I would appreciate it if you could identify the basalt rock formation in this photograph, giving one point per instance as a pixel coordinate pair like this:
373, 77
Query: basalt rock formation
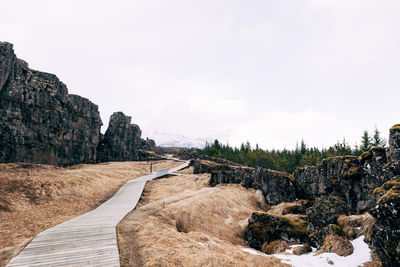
325, 211
276, 186
394, 143
350, 178
322, 219
148, 144
39, 121
264, 228
121, 141
386, 231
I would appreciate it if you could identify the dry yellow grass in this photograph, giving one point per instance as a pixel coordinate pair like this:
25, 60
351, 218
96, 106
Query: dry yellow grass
182, 222
36, 197
336, 244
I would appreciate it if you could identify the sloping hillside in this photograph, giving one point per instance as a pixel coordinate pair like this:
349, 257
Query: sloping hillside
182, 222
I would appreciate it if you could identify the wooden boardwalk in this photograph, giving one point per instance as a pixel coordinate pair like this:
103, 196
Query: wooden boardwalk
90, 239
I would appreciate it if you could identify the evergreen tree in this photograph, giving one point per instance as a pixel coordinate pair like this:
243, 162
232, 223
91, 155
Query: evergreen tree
377, 140
366, 143
217, 145
303, 147
288, 160
356, 151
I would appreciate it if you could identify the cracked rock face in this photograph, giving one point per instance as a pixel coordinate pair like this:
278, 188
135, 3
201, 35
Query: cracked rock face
350, 178
264, 228
39, 121
386, 237
394, 143
276, 186
121, 141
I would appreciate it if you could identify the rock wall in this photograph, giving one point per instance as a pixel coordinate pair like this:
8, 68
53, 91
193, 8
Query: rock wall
350, 178
276, 186
394, 143
121, 141
386, 231
39, 121
264, 228
148, 144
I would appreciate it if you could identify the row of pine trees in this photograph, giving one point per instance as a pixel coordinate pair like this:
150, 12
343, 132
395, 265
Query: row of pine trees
288, 160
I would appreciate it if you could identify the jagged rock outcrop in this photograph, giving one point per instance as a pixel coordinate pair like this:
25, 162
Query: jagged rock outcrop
39, 121
326, 211
264, 228
121, 141
386, 232
276, 186
322, 219
394, 143
350, 178
148, 144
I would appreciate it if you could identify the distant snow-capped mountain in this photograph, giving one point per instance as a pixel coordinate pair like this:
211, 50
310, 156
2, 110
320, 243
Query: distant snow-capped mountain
177, 140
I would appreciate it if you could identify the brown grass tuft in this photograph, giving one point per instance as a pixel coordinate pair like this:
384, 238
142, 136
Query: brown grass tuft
336, 244
275, 247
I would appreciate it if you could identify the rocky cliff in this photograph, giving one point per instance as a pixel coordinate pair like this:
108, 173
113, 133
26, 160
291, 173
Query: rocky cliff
386, 231
276, 186
121, 141
350, 178
394, 143
39, 121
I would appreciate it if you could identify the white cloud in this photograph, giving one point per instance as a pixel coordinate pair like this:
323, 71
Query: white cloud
282, 130
271, 72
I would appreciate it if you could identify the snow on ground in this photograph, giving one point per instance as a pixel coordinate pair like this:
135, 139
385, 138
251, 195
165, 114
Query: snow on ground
361, 254
252, 251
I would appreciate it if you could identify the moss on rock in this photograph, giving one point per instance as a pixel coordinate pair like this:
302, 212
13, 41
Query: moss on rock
389, 190
395, 127
265, 228
354, 172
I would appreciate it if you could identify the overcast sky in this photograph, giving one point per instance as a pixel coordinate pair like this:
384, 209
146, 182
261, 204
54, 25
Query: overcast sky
271, 72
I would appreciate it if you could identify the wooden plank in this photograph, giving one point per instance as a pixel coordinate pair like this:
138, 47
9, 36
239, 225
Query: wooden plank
90, 239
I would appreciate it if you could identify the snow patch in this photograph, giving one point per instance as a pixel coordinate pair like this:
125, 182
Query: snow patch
361, 254
252, 251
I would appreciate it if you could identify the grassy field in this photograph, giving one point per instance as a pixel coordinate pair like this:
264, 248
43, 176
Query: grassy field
35, 197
